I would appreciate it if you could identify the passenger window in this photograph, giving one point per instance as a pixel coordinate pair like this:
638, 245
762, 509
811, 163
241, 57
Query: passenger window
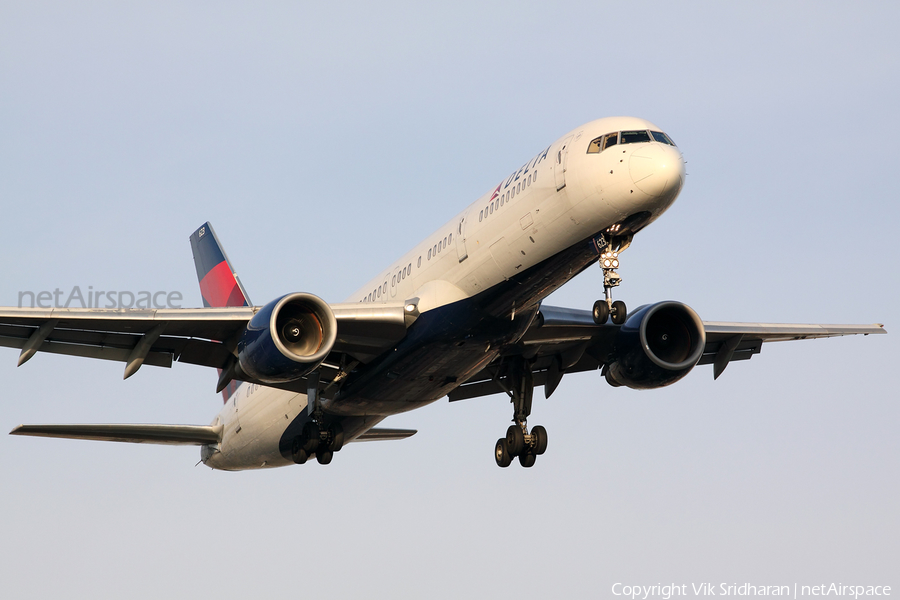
419, 265
635, 137
480, 216
529, 180
492, 208
501, 200
610, 139
429, 254
534, 175
450, 239
659, 136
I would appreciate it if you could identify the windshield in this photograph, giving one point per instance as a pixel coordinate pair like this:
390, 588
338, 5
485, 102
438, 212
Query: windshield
635, 136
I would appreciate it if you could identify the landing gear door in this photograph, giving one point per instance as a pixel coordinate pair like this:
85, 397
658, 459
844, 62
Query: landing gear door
559, 163
461, 239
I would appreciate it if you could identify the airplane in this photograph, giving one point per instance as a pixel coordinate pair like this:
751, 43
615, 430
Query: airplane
460, 315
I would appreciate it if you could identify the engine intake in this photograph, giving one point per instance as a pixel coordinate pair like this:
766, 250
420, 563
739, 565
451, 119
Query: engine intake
287, 339
658, 345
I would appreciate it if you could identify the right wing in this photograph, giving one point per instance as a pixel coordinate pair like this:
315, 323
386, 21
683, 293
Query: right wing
565, 340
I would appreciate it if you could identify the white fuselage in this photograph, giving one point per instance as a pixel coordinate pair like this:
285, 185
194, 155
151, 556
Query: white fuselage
560, 197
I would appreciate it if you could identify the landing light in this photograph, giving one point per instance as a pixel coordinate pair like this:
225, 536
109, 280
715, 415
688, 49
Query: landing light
411, 307
610, 260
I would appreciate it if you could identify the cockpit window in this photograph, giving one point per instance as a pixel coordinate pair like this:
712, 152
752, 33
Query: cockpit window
635, 137
659, 136
610, 139
603, 142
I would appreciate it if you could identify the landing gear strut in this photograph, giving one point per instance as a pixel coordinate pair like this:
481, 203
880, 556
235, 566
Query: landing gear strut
518, 441
609, 262
316, 438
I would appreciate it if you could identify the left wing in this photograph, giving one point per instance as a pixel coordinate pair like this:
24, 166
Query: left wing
200, 336
564, 340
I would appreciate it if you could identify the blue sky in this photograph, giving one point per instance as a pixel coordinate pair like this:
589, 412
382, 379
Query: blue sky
322, 141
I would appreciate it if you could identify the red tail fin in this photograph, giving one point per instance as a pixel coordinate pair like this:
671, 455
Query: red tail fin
219, 285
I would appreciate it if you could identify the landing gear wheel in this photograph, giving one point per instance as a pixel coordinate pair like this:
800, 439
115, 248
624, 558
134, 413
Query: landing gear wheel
501, 453
601, 312
337, 437
540, 439
309, 437
324, 456
515, 440
527, 459
298, 454
619, 312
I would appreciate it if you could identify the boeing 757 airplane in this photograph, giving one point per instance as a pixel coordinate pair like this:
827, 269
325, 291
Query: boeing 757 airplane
459, 315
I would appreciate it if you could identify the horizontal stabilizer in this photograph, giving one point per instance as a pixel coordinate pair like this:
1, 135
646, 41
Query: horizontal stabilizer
376, 434
196, 435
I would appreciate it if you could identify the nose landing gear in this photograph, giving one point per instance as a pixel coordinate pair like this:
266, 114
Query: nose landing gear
518, 441
609, 262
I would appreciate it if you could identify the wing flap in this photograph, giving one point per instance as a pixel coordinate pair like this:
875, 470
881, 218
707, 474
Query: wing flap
782, 332
195, 435
157, 359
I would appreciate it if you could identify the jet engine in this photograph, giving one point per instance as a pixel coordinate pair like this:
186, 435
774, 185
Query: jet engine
287, 339
658, 345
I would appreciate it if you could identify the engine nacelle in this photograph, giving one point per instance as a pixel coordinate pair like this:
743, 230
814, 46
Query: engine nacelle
287, 339
658, 345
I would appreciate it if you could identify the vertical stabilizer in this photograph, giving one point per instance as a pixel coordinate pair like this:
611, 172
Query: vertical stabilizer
219, 284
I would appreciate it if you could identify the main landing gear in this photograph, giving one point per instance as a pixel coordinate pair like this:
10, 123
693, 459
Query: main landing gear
609, 262
315, 437
518, 441
318, 440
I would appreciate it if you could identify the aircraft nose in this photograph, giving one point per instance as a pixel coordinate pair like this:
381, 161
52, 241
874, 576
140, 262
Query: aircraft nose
657, 169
